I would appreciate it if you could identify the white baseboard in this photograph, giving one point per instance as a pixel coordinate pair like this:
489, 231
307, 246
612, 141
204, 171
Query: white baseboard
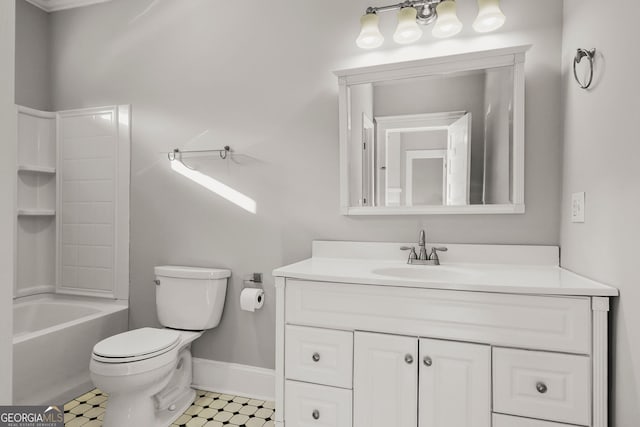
232, 378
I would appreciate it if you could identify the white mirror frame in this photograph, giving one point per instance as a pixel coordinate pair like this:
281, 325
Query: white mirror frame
503, 57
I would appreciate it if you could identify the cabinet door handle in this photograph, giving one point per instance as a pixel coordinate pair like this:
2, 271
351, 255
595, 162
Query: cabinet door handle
541, 387
316, 357
408, 358
427, 361
315, 414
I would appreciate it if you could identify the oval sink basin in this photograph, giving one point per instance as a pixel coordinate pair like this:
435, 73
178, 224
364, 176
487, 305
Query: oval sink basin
424, 272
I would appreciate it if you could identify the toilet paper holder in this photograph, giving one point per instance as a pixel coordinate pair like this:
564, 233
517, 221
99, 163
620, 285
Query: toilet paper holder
252, 295
252, 278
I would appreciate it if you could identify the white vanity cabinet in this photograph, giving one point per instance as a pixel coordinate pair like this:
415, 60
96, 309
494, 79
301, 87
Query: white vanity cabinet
496, 346
357, 355
407, 382
385, 380
455, 384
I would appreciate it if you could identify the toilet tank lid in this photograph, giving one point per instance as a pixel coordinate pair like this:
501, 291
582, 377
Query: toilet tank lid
181, 272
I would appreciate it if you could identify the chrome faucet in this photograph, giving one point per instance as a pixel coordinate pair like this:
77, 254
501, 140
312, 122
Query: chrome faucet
424, 258
422, 242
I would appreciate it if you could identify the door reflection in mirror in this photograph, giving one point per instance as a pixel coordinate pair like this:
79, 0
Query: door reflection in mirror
425, 158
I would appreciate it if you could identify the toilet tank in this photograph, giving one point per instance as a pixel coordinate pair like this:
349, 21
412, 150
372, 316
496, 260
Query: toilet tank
190, 298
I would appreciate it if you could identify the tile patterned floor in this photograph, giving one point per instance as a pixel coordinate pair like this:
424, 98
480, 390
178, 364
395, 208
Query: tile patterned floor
209, 410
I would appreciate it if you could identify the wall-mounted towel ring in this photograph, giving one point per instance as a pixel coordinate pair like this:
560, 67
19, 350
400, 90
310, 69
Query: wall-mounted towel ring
584, 53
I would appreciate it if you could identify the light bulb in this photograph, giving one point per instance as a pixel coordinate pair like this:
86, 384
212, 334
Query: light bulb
370, 36
408, 30
448, 23
490, 17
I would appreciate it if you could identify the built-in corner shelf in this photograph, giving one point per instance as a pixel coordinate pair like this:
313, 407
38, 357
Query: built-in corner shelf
36, 212
36, 201
37, 169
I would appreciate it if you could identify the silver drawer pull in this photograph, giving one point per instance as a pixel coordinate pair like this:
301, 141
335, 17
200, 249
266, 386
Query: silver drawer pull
408, 358
541, 387
316, 357
427, 361
315, 414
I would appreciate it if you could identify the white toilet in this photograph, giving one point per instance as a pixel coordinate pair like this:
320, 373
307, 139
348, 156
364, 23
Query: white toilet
147, 372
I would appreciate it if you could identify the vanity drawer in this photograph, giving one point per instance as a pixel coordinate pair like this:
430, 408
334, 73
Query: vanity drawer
536, 384
322, 356
522, 321
500, 420
311, 405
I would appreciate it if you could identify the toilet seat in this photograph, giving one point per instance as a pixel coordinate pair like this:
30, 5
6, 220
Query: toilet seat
136, 345
127, 366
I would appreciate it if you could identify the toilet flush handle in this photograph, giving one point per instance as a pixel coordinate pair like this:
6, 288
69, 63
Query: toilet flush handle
157, 282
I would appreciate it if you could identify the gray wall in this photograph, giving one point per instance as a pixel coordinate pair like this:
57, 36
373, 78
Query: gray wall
601, 158
8, 125
203, 74
33, 65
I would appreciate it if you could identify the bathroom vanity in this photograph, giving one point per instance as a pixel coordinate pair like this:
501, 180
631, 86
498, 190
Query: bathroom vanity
495, 336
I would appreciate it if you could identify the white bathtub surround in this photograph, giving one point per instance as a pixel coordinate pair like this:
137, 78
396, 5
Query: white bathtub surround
72, 237
94, 147
73, 202
52, 337
520, 337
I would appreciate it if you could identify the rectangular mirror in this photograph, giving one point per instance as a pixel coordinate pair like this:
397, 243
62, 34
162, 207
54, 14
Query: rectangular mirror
435, 136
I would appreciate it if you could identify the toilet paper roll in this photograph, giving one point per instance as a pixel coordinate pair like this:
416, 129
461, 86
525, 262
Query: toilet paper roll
251, 299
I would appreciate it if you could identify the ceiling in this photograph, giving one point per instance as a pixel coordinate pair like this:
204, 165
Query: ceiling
55, 5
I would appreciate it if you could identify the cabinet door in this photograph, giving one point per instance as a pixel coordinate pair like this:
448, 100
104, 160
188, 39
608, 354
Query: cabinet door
385, 380
455, 384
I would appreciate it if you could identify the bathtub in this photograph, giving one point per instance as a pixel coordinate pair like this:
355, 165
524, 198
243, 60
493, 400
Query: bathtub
53, 337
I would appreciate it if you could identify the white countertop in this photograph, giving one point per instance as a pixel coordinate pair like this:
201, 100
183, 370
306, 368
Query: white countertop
503, 278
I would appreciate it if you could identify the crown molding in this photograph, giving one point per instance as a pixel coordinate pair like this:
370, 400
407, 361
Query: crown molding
56, 5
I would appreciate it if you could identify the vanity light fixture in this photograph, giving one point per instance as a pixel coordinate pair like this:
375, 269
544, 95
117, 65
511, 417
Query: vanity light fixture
490, 17
407, 30
414, 13
448, 24
370, 36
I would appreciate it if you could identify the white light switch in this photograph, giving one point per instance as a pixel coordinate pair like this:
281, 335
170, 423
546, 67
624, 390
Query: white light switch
577, 207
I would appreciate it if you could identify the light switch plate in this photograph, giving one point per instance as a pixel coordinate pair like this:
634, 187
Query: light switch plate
577, 207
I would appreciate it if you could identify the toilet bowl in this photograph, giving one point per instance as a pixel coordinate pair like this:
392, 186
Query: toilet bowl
136, 369
147, 372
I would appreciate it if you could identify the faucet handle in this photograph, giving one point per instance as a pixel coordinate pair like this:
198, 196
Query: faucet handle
412, 255
434, 254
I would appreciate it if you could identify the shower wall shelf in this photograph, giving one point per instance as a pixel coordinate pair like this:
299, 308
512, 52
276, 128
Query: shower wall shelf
36, 202
36, 212
37, 169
